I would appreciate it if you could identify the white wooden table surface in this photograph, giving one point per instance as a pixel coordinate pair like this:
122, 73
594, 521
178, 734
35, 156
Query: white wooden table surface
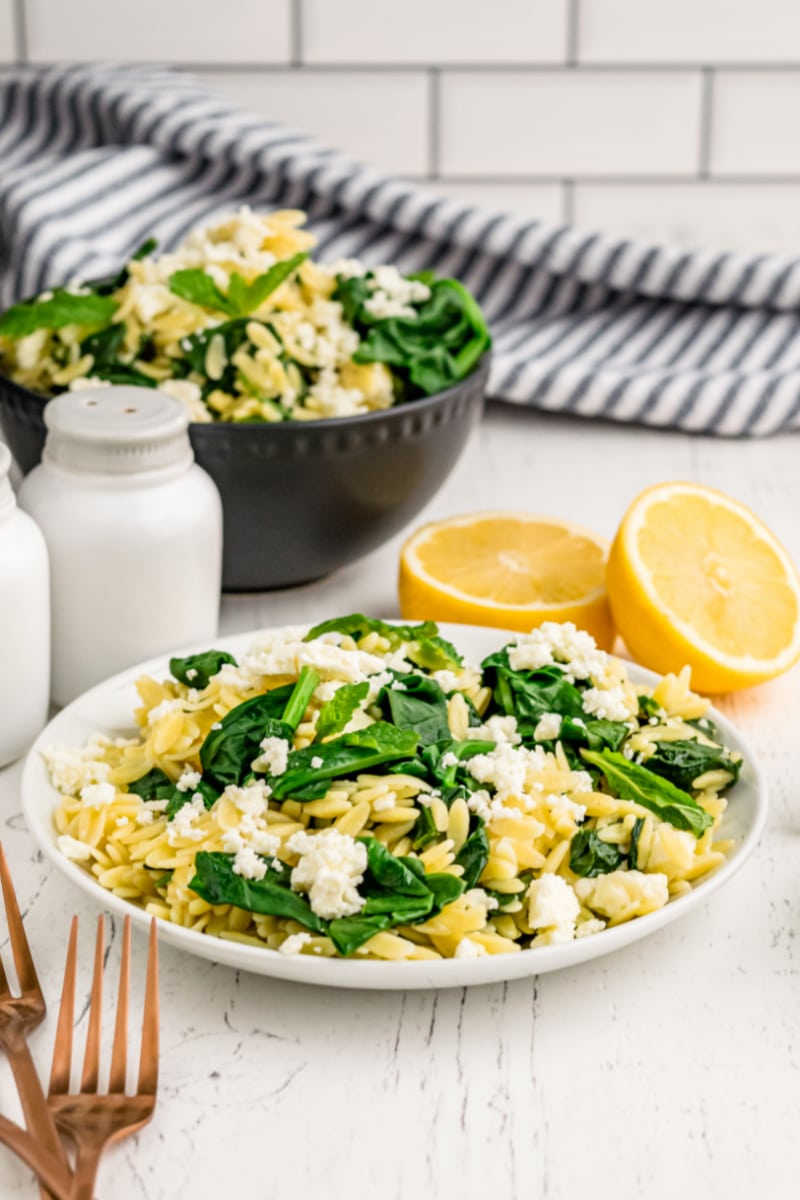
668, 1069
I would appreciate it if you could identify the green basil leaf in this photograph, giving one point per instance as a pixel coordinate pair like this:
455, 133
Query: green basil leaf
63, 308
247, 297
197, 286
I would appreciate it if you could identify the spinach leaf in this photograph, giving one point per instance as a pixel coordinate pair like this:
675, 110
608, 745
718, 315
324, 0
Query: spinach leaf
104, 347
216, 882
589, 855
419, 705
683, 761
63, 308
351, 753
596, 734
634, 782
474, 855
155, 785
445, 889
435, 654
298, 702
528, 695
228, 750
337, 712
197, 286
349, 933
247, 297
425, 831
351, 294
195, 348
197, 670
430, 351
648, 707
392, 873
633, 853
357, 626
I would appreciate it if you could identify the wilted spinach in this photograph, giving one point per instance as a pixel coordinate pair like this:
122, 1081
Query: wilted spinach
309, 770
631, 781
231, 747
683, 761
417, 703
590, 856
340, 708
197, 670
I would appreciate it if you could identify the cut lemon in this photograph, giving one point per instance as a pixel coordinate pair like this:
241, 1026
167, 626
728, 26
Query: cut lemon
512, 570
694, 577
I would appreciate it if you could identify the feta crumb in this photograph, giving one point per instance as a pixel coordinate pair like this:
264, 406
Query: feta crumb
561, 807
448, 681
506, 768
548, 728
162, 710
98, 795
72, 769
316, 762
181, 827
466, 948
331, 867
70, 847
274, 757
496, 729
247, 864
121, 822
383, 803
478, 898
621, 895
551, 902
448, 760
608, 704
561, 645
189, 781
294, 943
590, 927
192, 673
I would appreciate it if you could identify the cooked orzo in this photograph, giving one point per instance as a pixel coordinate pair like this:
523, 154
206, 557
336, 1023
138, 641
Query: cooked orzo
359, 790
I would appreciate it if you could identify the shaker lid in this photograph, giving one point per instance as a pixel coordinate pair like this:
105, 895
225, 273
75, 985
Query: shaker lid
7, 498
117, 430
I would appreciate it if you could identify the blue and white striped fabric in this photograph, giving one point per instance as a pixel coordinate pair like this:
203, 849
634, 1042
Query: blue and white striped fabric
93, 160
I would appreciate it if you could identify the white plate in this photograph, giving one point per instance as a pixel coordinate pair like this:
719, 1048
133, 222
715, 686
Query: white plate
109, 708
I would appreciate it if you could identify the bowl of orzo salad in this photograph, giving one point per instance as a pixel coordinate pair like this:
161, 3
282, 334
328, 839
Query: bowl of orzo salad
369, 804
328, 401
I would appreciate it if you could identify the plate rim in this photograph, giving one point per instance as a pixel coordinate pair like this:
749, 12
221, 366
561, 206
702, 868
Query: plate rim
369, 974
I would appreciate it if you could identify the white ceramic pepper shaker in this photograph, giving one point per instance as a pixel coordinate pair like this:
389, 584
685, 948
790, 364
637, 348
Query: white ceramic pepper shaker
24, 624
134, 532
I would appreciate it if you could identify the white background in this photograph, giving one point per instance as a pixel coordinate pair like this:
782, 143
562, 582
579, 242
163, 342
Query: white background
673, 119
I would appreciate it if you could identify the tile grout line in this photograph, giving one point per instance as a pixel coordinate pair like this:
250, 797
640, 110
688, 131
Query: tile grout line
573, 25
434, 122
20, 31
486, 68
706, 126
296, 33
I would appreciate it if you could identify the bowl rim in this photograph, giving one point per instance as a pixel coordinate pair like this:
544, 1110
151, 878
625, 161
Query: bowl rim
479, 372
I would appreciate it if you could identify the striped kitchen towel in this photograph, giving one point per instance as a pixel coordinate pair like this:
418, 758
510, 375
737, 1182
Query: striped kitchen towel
93, 160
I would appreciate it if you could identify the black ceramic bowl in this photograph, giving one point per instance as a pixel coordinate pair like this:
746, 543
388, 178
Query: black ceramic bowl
303, 498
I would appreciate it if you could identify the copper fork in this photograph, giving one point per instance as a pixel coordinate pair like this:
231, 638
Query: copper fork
18, 1015
89, 1118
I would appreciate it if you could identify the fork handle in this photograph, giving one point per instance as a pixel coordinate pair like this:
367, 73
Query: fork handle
40, 1161
86, 1165
38, 1118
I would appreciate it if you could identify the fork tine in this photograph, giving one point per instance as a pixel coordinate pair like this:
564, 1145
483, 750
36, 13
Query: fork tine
148, 1060
91, 1057
119, 1053
23, 959
62, 1050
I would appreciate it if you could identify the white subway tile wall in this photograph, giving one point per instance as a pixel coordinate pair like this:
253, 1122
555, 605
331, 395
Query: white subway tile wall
668, 119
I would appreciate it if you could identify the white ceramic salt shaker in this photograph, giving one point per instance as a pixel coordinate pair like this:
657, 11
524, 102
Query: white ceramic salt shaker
134, 532
24, 624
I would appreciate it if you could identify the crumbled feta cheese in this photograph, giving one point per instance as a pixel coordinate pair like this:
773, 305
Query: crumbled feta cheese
70, 847
609, 704
71, 769
181, 827
283, 652
551, 902
548, 728
496, 729
98, 795
252, 800
294, 943
163, 709
478, 898
562, 807
448, 681
316, 762
192, 673
506, 768
274, 757
189, 781
466, 948
247, 864
383, 803
145, 817
581, 782
621, 895
448, 760
121, 822
562, 645
555, 935
590, 927
331, 867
